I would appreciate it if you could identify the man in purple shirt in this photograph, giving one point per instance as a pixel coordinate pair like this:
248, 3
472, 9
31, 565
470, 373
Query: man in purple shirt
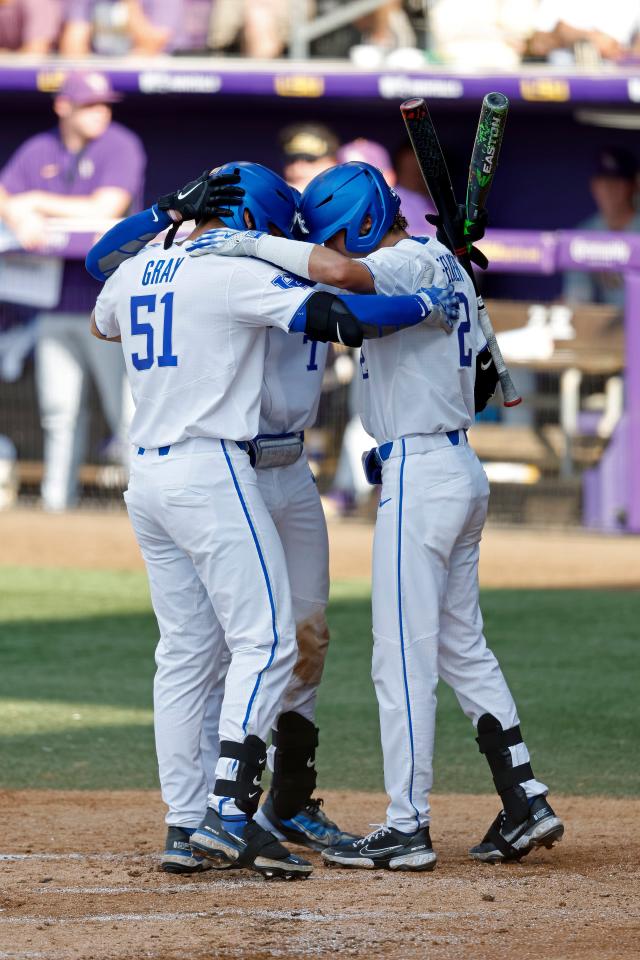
86, 168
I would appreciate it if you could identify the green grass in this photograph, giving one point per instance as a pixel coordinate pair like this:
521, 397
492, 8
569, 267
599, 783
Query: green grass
76, 666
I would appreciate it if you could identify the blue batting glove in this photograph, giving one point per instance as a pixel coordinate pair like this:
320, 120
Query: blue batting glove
442, 306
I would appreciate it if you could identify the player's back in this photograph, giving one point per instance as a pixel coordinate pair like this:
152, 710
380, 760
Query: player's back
293, 371
421, 380
192, 341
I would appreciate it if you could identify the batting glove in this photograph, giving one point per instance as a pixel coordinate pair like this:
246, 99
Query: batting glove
206, 196
226, 243
442, 307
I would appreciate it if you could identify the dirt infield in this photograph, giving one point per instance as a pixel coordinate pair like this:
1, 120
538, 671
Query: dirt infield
80, 880
509, 558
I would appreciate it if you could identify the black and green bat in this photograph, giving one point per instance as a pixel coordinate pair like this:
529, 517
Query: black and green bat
485, 154
433, 167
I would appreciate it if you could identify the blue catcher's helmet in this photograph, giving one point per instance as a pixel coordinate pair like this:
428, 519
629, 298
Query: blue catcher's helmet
269, 200
341, 197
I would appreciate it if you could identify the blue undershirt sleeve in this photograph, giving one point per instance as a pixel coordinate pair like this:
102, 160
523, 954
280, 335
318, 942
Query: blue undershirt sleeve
125, 240
378, 316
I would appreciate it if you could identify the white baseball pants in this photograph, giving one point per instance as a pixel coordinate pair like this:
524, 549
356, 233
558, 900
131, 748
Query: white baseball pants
291, 497
65, 355
426, 613
213, 556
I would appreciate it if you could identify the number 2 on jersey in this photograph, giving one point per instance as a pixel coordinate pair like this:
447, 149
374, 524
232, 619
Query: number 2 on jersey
464, 326
139, 328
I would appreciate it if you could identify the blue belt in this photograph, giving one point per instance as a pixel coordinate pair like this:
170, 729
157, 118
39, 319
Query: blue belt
162, 451
453, 436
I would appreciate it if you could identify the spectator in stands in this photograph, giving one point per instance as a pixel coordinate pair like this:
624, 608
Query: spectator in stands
415, 202
308, 149
29, 26
87, 168
614, 187
563, 27
491, 34
137, 27
255, 28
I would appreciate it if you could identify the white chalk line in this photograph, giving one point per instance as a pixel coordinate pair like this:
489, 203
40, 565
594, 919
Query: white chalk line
102, 918
197, 887
303, 916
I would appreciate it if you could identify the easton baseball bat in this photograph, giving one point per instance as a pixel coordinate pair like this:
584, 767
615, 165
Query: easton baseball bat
485, 154
433, 167
482, 169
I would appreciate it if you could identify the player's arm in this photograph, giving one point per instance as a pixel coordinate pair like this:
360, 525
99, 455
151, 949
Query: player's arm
296, 257
104, 323
125, 240
350, 319
198, 198
93, 327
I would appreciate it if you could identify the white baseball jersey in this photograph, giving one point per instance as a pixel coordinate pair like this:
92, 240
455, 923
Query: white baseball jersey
193, 336
421, 380
293, 371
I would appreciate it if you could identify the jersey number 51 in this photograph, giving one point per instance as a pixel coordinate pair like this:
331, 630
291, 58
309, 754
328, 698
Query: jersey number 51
139, 329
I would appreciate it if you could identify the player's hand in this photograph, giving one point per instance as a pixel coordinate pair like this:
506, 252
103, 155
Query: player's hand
206, 196
466, 232
226, 243
442, 307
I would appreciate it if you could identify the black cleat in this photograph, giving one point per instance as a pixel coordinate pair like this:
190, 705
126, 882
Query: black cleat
229, 843
385, 848
178, 857
310, 827
507, 841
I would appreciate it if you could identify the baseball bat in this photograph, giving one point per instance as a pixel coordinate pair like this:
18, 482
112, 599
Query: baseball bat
482, 169
485, 154
433, 167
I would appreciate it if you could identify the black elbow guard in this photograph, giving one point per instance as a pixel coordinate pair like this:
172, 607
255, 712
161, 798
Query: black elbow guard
486, 380
330, 321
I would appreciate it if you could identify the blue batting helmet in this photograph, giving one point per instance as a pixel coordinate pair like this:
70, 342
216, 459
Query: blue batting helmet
340, 199
269, 200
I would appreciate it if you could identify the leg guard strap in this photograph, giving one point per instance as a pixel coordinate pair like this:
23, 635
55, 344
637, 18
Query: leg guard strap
245, 789
498, 739
512, 776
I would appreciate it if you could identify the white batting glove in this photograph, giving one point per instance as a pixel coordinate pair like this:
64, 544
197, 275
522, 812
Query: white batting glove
442, 307
226, 243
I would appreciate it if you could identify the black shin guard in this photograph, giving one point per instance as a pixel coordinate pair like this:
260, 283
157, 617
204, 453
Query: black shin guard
245, 790
494, 742
294, 774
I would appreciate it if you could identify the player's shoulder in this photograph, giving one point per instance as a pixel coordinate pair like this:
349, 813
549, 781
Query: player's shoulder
262, 275
406, 249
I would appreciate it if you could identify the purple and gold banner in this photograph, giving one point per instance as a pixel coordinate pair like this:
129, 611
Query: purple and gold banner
314, 79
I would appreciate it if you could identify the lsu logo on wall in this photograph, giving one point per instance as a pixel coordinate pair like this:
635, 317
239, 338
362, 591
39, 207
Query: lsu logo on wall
285, 281
545, 88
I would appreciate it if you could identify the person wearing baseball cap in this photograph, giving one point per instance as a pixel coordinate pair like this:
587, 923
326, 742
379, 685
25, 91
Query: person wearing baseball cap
85, 168
308, 149
614, 187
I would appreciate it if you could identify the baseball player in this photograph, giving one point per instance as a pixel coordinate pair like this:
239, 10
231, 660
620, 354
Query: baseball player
419, 397
293, 371
194, 413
